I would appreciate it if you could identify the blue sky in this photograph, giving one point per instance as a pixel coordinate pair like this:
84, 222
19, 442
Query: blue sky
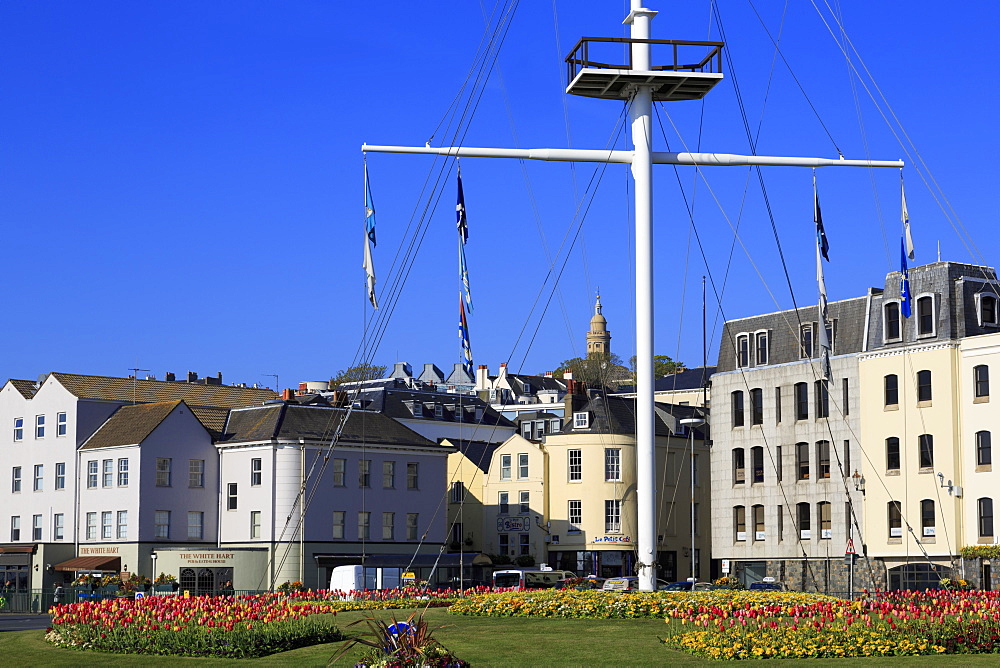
181, 189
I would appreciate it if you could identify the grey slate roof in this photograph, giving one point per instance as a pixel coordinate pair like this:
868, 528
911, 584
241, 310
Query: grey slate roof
954, 285
616, 415
686, 379
290, 421
783, 327
479, 453
395, 403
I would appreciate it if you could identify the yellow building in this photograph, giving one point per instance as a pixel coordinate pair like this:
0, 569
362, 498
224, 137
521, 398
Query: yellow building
926, 424
568, 498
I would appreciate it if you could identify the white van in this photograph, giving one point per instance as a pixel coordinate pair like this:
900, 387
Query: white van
530, 579
359, 578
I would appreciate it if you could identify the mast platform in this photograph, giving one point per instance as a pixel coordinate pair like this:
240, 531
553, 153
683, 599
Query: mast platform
673, 81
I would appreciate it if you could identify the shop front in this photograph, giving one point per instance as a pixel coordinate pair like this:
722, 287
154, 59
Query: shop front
15, 568
211, 570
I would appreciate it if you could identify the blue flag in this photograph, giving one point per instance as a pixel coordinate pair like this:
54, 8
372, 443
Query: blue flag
463, 333
369, 210
904, 281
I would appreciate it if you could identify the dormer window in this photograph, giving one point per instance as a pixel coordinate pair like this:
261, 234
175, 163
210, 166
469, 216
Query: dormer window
438, 411
925, 315
528, 389
806, 341
891, 320
526, 429
743, 351
581, 420
987, 310
761, 348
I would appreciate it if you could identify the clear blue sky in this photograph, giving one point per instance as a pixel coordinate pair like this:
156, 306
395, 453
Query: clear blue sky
180, 182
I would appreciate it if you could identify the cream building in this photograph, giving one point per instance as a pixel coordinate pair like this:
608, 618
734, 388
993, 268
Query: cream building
926, 423
568, 498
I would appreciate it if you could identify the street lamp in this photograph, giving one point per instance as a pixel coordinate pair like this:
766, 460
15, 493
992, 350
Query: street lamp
691, 423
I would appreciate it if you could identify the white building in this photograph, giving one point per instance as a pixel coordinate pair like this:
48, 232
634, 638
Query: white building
376, 491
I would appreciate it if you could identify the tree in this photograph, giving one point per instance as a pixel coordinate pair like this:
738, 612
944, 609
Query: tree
662, 366
596, 371
357, 373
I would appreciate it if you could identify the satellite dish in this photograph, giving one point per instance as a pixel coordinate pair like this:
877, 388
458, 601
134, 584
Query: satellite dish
41, 379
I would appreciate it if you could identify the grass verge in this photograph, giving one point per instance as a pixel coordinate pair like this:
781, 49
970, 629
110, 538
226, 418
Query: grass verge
486, 642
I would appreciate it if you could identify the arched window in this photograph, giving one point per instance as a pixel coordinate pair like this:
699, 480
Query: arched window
984, 449
981, 380
757, 512
924, 385
823, 459
740, 522
757, 463
802, 513
802, 461
927, 519
801, 401
825, 513
895, 519
892, 454
737, 402
739, 466
925, 444
757, 406
891, 390
985, 517
822, 399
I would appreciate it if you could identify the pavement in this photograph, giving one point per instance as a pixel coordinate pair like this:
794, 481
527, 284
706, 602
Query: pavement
16, 622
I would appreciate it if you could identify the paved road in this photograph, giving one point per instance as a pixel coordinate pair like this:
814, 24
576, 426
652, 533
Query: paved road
15, 622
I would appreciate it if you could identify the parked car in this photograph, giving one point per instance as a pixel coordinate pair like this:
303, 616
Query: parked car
691, 586
766, 585
629, 583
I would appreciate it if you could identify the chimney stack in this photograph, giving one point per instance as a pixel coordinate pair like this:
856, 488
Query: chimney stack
192, 377
170, 377
288, 394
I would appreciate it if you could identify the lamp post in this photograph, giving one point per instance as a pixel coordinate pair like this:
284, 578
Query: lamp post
691, 423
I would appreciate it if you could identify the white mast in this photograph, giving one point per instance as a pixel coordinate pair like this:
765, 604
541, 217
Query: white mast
641, 113
641, 83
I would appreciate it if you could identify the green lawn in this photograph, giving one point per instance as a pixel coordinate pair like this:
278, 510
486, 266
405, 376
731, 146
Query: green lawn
483, 641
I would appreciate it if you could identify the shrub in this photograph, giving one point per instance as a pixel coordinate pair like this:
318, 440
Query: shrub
401, 645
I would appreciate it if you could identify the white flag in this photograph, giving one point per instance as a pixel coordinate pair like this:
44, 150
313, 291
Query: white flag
370, 271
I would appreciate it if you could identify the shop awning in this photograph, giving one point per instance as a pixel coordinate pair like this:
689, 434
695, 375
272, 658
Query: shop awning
91, 564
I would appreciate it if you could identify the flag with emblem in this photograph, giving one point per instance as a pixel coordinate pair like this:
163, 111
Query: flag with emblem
369, 265
463, 334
